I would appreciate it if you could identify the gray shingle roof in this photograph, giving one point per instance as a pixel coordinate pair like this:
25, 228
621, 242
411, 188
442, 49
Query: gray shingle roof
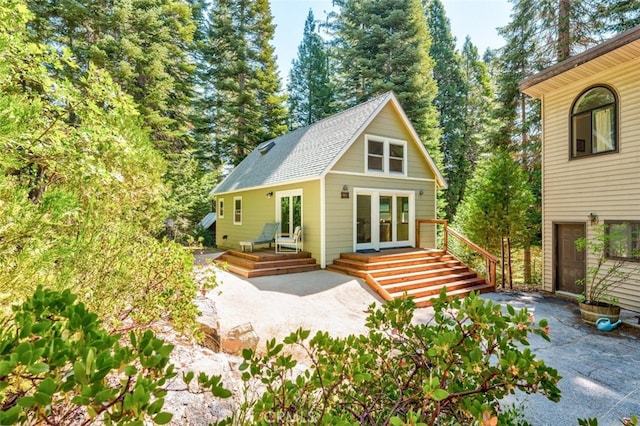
303, 153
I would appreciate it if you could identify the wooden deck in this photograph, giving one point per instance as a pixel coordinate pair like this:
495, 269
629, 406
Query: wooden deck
392, 273
265, 262
417, 273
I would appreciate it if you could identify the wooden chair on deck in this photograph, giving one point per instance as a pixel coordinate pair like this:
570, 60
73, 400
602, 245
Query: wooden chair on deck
291, 241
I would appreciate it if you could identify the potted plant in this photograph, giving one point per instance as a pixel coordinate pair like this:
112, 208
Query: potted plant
607, 273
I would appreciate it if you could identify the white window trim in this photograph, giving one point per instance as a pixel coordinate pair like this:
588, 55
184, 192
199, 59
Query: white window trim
235, 222
386, 157
221, 208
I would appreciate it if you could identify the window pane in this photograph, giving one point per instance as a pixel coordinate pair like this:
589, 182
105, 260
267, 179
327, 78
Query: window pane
375, 163
396, 151
603, 130
594, 98
581, 135
376, 147
395, 165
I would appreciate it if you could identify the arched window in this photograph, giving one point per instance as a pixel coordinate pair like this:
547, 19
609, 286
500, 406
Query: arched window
593, 122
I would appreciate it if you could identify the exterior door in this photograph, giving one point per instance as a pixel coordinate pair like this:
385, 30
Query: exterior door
570, 263
384, 219
289, 210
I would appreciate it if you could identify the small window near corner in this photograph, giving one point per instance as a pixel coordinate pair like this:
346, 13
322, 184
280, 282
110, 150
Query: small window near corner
237, 210
594, 123
221, 208
623, 240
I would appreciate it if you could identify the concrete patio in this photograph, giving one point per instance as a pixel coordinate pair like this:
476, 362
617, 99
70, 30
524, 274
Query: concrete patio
600, 370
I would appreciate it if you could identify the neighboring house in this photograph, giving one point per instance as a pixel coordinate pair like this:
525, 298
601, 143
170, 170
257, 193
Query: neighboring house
357, 180
590, 158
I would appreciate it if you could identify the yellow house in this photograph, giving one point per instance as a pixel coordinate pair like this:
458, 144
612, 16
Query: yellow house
357, 180
590, 158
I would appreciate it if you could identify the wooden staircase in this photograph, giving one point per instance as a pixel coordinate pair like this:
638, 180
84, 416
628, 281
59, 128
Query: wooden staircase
416, 273
266, 262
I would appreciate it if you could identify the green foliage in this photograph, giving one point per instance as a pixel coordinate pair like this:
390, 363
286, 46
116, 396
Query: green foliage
627, 421
239, 79
81, 189
310, 95
605, 274
450, 102
59, 366
383, 45
453, 370
496, 204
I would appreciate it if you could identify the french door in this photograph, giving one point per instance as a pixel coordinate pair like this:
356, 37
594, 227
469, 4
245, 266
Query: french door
384, 219
289, 210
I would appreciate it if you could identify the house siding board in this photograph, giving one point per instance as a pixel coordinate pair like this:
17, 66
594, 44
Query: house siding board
339, 229
607, 185
258, 209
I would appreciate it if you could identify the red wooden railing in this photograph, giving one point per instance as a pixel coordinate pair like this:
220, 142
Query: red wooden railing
490, 260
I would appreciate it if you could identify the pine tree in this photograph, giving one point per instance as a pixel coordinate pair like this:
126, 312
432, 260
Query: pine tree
144, 46
478, 121
619, 15
495, 210
246, 106
383, 45
310, 96
450, 104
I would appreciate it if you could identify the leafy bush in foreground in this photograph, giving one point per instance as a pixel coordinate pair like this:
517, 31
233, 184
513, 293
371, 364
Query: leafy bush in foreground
59, 367
454, 370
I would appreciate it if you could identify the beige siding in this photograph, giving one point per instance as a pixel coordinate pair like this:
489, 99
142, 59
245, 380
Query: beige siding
607, 185
258, 209
386, 124
339, 211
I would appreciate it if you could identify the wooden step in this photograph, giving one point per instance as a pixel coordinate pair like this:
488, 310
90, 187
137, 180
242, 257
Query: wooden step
435, 280
382, 257
394, 275
430, 289
398, 263
420, 274
266, 262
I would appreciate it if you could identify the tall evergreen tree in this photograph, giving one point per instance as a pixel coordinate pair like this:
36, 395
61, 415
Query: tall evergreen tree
478, 121
619, 15
245, 100
310, 96
494, 213
144, 46
383, 45
450, 104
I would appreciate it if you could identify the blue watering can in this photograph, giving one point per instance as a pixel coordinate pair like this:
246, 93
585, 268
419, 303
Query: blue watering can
605, 324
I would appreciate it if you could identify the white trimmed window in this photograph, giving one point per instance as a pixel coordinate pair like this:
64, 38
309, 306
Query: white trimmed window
221, 208
383, 155
237, 210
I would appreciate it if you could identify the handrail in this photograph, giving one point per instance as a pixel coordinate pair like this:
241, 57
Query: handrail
491, 260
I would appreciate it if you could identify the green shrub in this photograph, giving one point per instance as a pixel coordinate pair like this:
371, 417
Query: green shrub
58, 366
454, 370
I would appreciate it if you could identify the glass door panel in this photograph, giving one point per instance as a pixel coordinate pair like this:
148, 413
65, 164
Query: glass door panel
289, 210
363, 219
386, 218
402, 219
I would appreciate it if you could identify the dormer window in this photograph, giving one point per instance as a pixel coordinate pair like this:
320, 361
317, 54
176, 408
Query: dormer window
593, 123
388, 156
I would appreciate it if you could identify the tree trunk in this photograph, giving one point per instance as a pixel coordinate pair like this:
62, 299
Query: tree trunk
527, 265
563, 48
509, 260
502, 260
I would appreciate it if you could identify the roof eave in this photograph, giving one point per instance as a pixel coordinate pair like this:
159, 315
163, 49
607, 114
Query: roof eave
612, 44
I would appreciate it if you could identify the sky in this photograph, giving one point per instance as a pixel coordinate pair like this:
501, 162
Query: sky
476, 18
